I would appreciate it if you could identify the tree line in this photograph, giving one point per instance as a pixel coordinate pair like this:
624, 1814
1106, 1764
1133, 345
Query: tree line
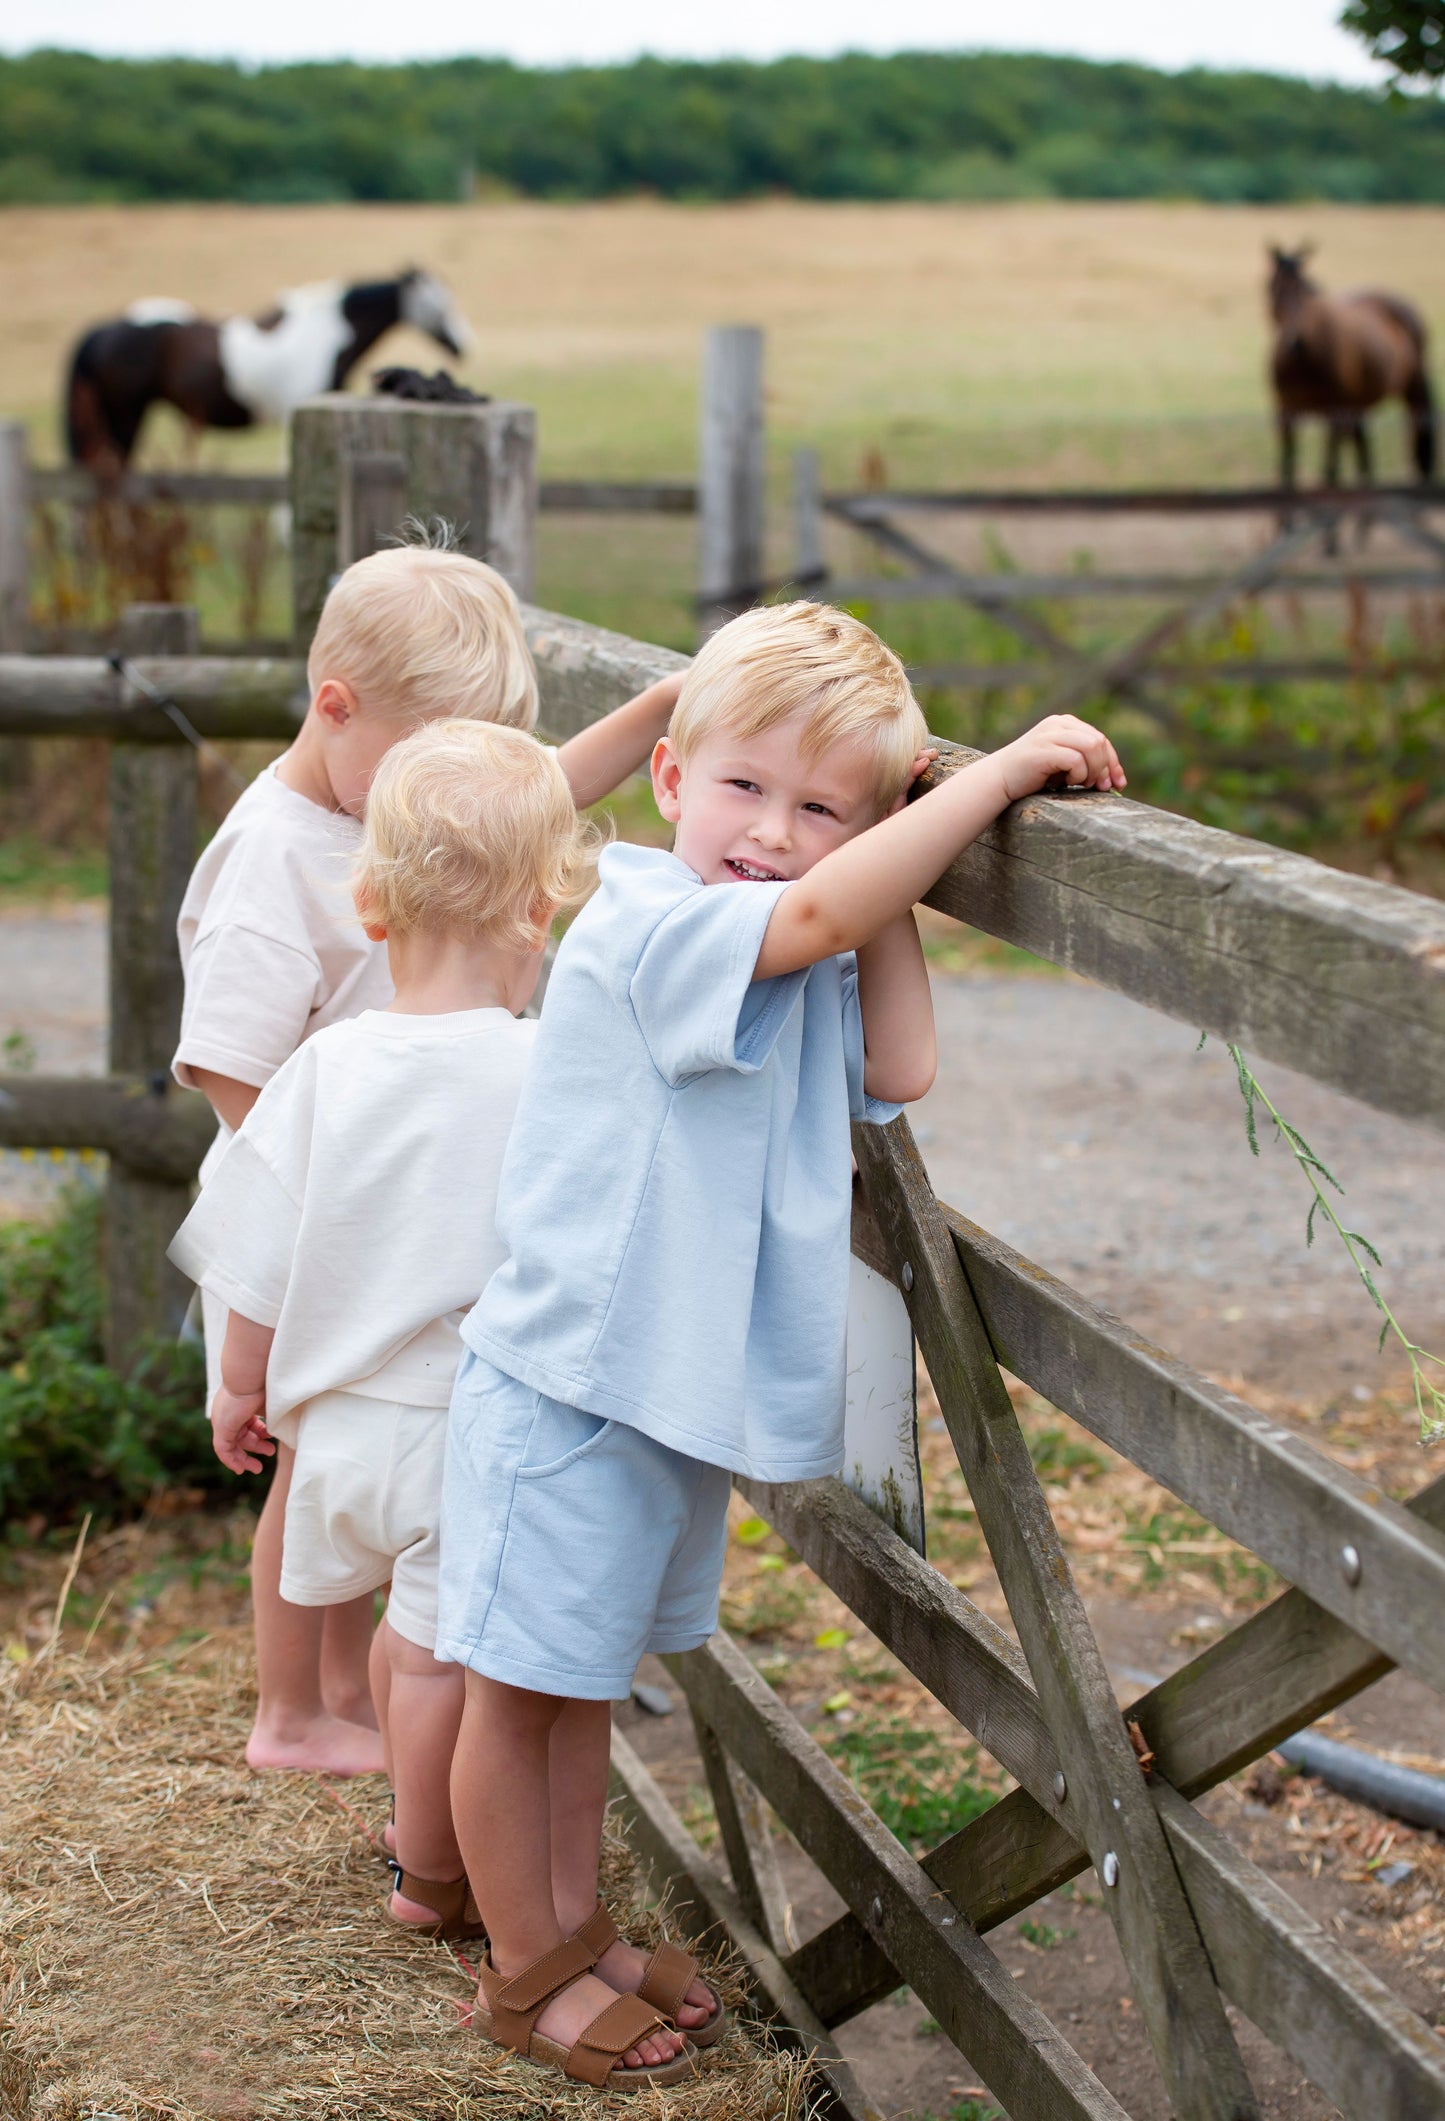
918, 126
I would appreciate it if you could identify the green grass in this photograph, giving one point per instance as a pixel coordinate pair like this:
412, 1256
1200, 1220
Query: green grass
1171, 1540
30, 870
922, 1787
967, 2109
1060, 1457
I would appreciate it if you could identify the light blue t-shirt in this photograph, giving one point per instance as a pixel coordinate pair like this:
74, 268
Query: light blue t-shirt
676, 1192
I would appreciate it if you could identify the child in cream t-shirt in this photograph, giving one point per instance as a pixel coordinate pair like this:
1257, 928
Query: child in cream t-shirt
348, 1228
272, 952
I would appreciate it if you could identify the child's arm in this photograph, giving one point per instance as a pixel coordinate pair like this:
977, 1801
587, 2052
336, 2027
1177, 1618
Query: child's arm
599, 758
900, 1051
229, 1099
238, 1411
853, 894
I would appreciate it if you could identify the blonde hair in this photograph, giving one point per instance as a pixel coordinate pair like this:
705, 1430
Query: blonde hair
812, 663
420, 633
471, 828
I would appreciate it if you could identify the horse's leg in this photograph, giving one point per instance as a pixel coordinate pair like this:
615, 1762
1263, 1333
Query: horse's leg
1287, 462
1364, 476
1287, 451
1334, 439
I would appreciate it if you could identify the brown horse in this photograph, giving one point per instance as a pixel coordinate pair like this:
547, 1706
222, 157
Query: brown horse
1335, 358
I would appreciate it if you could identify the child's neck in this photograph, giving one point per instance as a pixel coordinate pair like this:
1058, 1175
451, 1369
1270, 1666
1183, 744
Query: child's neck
436, 975
302, 767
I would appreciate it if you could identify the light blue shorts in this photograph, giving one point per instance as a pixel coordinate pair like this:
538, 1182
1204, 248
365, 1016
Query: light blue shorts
570, 1545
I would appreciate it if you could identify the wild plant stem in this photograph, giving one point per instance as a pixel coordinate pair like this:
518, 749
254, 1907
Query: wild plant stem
1429, 1396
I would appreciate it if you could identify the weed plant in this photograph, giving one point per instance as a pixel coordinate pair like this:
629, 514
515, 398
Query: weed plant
74, 1434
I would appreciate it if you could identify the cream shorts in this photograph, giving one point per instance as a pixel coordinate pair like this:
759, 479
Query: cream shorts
365, 1505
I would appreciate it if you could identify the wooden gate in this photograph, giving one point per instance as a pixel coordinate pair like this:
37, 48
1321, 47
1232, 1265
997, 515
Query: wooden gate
1331, 974
1343, 979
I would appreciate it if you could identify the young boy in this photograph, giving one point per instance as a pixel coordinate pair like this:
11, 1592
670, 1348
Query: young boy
272, 953
675, 1201
348, 1228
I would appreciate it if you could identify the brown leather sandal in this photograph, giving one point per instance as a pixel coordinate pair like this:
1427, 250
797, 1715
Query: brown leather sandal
513, 2006
666, 1978
459, 1917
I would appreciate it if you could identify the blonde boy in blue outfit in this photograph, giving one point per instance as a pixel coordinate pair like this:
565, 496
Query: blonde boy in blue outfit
675, 1199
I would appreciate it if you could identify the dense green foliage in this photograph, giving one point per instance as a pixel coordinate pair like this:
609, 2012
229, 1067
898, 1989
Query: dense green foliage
1407, 34
918, 125
73, 1434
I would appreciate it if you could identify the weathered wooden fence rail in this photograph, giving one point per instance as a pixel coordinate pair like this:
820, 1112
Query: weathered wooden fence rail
1334, 975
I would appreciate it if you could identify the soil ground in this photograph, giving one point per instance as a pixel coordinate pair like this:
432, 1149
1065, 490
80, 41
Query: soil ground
1092, 1135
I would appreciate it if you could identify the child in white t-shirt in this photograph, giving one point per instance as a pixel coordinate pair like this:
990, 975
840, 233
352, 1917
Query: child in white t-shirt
348, 1228
272, 952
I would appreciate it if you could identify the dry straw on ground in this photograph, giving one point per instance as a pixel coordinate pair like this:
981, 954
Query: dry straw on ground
180, 1938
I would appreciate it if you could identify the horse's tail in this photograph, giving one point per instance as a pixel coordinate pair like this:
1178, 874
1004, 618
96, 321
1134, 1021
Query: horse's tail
87, 431
1420, 398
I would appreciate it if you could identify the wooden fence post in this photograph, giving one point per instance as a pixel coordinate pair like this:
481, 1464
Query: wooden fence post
360, 466
152, 847
14, 538
15, 752
809, 568
730, 498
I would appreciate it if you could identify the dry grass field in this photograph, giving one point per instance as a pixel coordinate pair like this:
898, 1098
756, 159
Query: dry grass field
1053, 340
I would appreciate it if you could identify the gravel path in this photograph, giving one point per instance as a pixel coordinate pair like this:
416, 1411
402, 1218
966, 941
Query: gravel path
1089, 1132
1085, 1130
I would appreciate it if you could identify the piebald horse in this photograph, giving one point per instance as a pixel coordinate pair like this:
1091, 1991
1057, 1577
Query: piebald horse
243, 372
1335, 358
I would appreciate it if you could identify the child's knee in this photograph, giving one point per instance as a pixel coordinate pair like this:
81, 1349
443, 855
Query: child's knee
409, 1660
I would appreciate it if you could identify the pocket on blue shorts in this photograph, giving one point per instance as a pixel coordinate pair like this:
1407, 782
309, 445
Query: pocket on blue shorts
560, 1435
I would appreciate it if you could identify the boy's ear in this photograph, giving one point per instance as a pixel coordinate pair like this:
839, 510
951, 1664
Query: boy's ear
667, 780
335, 703
371, 929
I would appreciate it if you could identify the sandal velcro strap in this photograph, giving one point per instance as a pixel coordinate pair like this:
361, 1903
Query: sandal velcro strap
611, 2033
515, 2003
666, 1979
599, 1932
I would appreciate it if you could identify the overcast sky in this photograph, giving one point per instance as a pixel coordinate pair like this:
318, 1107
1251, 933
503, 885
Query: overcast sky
1277, 36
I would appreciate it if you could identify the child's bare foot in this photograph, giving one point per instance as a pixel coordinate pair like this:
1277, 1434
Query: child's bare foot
323, 1746
622, 1967
567, 2017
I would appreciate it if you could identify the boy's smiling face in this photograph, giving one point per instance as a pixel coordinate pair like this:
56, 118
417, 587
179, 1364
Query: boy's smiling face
756, 810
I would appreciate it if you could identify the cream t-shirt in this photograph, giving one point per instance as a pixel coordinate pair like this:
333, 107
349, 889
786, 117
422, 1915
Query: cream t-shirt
271, 947
354, 1210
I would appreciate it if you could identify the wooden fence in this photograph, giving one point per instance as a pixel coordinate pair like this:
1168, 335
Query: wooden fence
727, 498
1067, 675
1334, 975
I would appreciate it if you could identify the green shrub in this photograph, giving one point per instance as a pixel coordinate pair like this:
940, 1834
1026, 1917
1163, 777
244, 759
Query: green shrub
74, 1435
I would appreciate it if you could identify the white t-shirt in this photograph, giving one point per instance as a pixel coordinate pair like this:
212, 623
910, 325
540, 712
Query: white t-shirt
354, 1210
271, 947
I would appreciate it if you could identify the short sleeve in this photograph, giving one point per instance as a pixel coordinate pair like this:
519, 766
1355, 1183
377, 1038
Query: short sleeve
875, 1111
239, 1240
249, 999
692, 988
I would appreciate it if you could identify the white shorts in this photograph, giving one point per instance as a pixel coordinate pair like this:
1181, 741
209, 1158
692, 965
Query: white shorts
571, 1544
365, 1505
